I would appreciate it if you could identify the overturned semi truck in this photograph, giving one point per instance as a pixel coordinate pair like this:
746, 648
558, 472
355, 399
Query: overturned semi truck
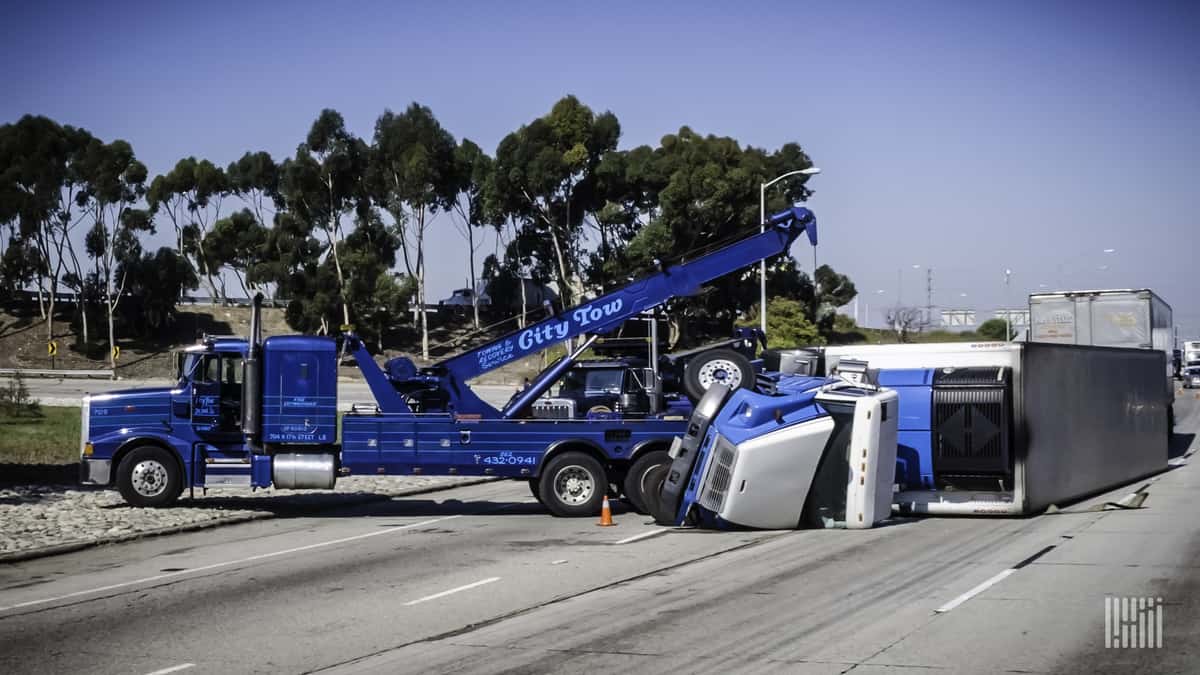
957, 429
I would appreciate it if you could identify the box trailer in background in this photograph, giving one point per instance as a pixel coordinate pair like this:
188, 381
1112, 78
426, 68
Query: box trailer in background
1135, 318
1002, 428
1189, 364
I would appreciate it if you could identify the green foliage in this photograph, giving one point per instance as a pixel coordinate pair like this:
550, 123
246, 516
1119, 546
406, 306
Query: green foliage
787, 324
319, 187
236, 243
546, 181
15, 400
993, 329
154, 282
328, 225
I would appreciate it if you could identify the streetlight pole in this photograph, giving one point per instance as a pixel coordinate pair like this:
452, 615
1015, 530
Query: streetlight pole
762, 227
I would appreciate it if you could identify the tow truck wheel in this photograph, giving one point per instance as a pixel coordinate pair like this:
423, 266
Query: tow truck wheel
636, 485
536, 489
718, 365
573, 484
149, 476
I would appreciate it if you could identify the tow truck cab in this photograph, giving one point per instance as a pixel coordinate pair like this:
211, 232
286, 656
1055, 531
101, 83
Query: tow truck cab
222, 423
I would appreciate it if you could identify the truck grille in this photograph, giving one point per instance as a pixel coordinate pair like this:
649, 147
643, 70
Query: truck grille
720, 474
553, 409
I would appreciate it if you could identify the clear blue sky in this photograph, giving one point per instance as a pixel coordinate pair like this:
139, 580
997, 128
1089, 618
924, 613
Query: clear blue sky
966, 136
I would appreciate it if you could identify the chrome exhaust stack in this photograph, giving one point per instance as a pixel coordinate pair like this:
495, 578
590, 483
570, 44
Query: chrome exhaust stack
252, 378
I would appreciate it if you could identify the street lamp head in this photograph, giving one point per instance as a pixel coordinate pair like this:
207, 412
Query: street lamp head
810, 171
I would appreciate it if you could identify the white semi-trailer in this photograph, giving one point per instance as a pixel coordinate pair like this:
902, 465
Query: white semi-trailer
1135, 318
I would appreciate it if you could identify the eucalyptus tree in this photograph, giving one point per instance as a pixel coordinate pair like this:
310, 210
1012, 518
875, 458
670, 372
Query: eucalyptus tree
253, 178
413, 177
39, 183
114, 182
190, 195
236, 243
475, 185
321, 186
546, 178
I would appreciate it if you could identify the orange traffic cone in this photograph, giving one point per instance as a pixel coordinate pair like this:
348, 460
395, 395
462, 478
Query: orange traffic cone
605, 515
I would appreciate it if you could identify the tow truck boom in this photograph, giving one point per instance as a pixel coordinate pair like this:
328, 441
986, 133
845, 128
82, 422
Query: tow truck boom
598, 316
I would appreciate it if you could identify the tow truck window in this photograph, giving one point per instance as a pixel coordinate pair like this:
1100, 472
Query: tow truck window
573, 381
607, 381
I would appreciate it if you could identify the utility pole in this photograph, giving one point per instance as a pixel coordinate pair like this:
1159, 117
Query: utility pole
929, 295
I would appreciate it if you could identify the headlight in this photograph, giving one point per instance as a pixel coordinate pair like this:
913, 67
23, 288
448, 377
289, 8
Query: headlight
85, 412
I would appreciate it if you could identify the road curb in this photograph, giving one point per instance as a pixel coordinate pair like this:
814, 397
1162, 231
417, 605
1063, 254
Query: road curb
352, 500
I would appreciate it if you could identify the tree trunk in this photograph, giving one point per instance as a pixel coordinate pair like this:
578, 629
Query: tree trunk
564, 289
421, 283
474, 290
112, 338
524, 301
80, 300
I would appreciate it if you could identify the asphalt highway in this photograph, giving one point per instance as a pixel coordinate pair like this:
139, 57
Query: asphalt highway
482, 579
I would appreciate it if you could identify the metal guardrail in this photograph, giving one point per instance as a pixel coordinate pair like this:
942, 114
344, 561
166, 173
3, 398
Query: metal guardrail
60, 374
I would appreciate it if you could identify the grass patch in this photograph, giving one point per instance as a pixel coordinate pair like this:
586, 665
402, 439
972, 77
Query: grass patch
52, 438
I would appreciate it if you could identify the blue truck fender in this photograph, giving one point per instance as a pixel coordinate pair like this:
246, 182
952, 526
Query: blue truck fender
128, 445
567, 445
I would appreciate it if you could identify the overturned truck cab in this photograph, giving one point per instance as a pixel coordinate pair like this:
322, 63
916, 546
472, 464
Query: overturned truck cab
808, 451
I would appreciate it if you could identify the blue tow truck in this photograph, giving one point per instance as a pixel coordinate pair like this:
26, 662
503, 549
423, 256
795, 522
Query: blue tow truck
254, 412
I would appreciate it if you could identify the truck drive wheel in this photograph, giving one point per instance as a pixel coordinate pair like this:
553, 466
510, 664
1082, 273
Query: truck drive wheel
719, 365
149, 476
636, 486
655, 478
573, 484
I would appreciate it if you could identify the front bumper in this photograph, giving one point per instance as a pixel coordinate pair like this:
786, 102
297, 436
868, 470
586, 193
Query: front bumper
95, 471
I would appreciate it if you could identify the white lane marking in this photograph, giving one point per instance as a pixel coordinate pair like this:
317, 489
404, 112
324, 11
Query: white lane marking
452, 591
644, 535
975, 591
172, 669
205, 568
557, 562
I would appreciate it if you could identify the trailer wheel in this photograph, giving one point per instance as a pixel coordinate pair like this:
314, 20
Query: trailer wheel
636, 486
149, 476
719, 365
573, 484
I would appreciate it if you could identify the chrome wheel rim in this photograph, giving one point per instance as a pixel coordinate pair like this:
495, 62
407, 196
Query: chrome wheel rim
149, 478
720, 370
573, 485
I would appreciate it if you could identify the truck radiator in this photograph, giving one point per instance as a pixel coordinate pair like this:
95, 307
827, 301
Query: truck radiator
720, 473
972, 421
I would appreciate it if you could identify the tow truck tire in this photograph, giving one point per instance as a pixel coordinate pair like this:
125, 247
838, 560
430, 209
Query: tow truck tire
149, 476
636, 486
573, 484
535, 489
719, 365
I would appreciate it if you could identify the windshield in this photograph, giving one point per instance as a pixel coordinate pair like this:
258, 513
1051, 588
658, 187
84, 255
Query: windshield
185, 365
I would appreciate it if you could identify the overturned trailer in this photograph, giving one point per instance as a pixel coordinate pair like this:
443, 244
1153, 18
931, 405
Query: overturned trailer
1011, 428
